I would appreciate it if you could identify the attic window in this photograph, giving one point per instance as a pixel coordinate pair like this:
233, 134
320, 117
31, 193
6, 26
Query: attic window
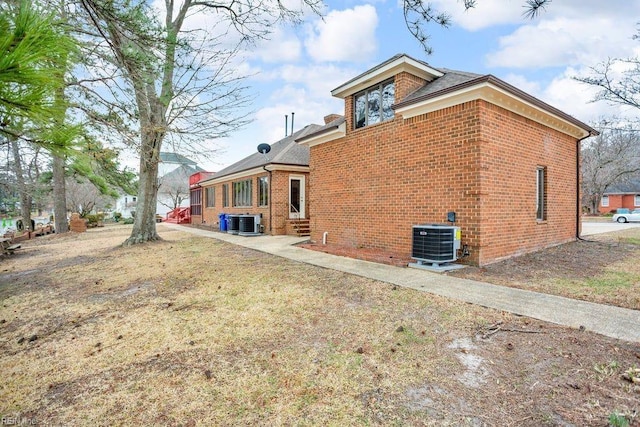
374, 104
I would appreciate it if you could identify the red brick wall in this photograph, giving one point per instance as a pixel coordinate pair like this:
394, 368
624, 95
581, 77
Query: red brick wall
406, 83
279, 195
370, 187
619, 201
513, 147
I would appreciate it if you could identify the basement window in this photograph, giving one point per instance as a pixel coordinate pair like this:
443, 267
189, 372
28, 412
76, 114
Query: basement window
541, 193
374, 104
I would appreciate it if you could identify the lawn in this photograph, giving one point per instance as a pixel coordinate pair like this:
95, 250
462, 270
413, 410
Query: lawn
195, 331
603, 268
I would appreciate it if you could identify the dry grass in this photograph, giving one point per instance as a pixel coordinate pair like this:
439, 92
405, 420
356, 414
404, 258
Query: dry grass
193, 331
603, 269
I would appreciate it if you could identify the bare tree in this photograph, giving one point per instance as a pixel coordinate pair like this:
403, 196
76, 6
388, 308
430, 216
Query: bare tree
84, 197
173, 188
608, 159
617, 87
182, 83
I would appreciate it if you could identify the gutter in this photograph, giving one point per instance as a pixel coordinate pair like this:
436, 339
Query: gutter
270, 200
578, 201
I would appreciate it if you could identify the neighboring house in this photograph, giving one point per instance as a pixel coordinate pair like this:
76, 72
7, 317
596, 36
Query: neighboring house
418, 142
126, 205
173, 191
623, 195
274, 185
174, 171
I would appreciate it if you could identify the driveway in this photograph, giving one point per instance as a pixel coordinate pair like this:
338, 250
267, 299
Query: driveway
589, 228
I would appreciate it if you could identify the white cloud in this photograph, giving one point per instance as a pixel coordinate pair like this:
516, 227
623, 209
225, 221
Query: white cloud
562, 42
487, 13
318, 79
346, 35
307, 108
570, 96
282, 46
522, 83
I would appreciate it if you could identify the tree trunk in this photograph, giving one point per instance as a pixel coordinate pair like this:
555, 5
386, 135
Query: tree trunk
25, 198
144, 226
59, 195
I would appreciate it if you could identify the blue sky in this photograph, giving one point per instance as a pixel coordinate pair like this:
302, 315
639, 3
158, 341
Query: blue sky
296, 70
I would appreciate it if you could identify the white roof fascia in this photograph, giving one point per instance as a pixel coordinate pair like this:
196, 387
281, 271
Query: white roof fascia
389, 70
497, 96
252, 172
327, 136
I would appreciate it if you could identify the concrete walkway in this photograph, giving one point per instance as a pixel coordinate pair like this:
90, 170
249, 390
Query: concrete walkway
615, 322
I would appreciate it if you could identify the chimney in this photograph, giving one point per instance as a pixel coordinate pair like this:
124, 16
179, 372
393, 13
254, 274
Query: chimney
292, 123
331, 117
286, 125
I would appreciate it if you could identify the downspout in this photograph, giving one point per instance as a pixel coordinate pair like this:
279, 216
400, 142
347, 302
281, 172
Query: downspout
270, 200
578, 201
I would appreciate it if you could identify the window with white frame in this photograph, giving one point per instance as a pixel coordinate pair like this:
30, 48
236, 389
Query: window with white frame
374, 104
604, 201
541, 193
636, 200
242, 193
263, 191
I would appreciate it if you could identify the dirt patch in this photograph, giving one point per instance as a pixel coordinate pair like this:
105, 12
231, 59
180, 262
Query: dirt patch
194, 331
367, 254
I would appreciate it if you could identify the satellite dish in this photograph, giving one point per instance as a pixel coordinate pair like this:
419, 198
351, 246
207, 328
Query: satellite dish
264, 148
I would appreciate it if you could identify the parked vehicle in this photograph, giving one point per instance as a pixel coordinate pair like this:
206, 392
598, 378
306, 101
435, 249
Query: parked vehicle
633, 216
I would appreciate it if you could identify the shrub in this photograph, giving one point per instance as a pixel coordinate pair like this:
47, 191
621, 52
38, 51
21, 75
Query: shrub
117, 216
128, 221
94, 220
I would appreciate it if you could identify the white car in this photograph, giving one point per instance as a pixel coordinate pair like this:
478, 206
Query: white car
633, 216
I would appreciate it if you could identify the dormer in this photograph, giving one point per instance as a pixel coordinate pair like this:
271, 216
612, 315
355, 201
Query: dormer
370, 96
405, 87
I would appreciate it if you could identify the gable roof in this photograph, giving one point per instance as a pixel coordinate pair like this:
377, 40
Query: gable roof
181, 173
628, 187
166, 157
386, 70
284, 152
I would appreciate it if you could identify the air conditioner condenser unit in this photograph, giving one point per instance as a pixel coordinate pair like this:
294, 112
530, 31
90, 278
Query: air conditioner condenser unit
434, 246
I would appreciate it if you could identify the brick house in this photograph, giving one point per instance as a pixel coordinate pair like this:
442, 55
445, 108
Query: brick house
623, 195
417, 142
274, 185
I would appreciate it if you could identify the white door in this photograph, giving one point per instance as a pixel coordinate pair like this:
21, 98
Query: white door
296, 197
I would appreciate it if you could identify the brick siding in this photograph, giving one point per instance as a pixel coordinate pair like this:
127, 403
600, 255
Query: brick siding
274, 221
479, 160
